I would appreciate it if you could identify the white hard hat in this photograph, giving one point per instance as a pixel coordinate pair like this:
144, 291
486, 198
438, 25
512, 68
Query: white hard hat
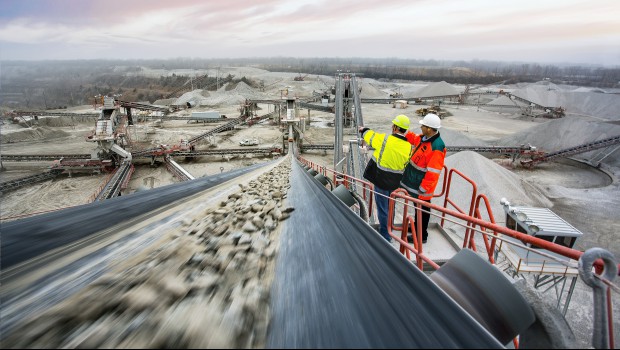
432, 121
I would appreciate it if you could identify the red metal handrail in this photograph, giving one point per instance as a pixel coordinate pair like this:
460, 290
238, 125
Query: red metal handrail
448, 200
489, 246
471, 220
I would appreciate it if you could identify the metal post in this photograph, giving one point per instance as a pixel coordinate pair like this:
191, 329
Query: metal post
338, 122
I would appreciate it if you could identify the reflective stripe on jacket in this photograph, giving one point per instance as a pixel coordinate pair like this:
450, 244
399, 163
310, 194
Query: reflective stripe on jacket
424, 168
389, 159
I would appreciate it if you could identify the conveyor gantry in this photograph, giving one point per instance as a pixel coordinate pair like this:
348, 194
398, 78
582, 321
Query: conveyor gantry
28, 180
117, 182
256, 120
316, 107
177, 170
228, 126
40, 157
211, 152
590, 146
171, 117
50, 114
145, 107
306, 147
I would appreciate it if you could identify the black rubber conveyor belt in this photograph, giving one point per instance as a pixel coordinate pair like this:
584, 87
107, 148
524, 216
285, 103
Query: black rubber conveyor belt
339, 284
27, 238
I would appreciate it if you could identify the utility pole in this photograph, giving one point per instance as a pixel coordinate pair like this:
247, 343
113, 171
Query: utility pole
217, 78
44, 99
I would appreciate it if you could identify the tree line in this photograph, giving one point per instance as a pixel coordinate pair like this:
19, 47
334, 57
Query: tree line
54, 84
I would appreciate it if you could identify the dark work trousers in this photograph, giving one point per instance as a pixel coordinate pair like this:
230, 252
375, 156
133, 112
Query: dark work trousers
426, 216
382, 200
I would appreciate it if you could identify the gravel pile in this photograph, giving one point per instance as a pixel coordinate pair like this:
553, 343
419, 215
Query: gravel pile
494, 181
370, 90
504, 100
32, 134
589, 103
204, 285
222, 97
559, 134
437, 89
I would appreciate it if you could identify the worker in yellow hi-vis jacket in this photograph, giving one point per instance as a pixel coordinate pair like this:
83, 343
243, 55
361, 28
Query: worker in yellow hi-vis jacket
385, 168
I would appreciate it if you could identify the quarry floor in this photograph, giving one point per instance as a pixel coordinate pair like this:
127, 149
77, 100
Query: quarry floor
588, 198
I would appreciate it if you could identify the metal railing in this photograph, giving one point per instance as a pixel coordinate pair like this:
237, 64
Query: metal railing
472, 220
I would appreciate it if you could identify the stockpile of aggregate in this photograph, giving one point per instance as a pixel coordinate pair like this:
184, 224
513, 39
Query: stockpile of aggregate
32, 134
504, 100
563, 133
205, 285
492, 180
370, 90
583, 102
437, 89
222, 97
408, 89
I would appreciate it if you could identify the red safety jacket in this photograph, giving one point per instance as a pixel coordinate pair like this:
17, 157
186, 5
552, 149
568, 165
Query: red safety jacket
423, 170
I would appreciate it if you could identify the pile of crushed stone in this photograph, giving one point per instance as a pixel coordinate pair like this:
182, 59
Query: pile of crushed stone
492, 180
437, 89
577, 101
370, 90
32, 134
223, 96
563, 133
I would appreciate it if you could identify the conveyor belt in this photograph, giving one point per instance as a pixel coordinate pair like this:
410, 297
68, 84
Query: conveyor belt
52, 114
28, 180
114, 186
586, 147
27, 238
40, 157
211, 152
339, 284
316, 107
172, 117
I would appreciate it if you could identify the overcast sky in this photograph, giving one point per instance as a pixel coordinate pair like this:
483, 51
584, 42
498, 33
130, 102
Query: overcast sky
544, 31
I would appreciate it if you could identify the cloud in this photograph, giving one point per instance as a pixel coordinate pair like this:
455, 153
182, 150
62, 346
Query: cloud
371, 28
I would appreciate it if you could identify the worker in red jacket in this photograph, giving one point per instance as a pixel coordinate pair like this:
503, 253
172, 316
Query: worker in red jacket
423, 170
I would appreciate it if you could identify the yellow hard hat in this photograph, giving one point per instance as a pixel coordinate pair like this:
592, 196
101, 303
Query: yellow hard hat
402, 121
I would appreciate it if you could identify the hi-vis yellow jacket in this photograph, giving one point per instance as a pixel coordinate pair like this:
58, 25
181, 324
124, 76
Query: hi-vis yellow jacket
391, 155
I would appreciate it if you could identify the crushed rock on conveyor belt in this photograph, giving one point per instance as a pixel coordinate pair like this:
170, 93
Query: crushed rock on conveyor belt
206, 285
